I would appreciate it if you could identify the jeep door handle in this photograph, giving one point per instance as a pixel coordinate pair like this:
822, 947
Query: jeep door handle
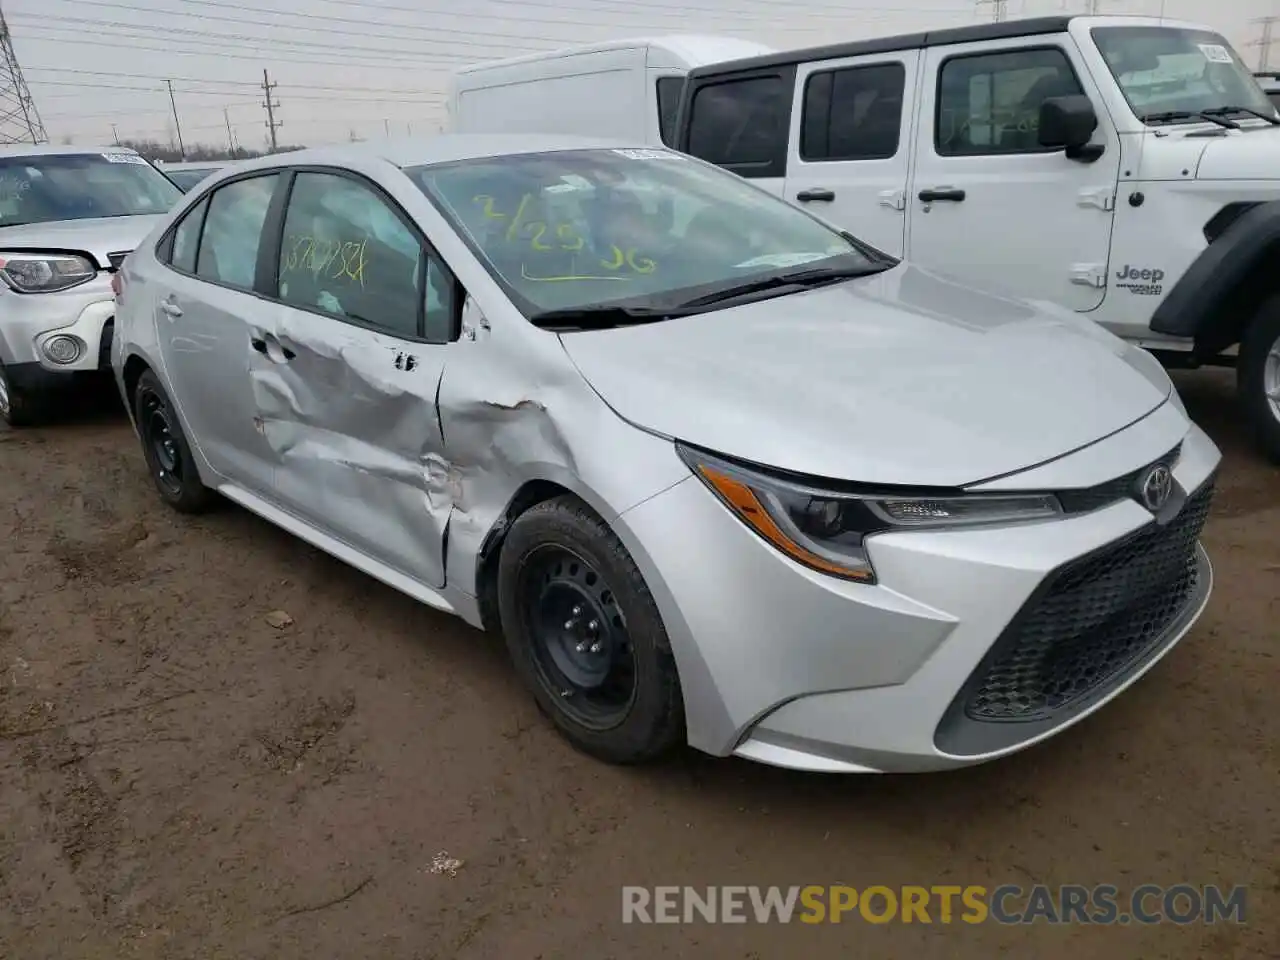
941, 193
817, 193
170, 308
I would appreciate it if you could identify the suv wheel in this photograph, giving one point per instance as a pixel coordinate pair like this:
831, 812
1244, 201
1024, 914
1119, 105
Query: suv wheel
169, 460
18, 408
1258, 376
586, 636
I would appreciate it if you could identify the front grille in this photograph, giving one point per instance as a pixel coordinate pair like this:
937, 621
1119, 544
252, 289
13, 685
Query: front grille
117, 258
1090, 621
1111, 491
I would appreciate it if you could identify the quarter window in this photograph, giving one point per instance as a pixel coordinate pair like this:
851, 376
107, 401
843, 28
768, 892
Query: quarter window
233, 231
668, 91
347, 253
853, 114
741, 123
990, 103
186, 238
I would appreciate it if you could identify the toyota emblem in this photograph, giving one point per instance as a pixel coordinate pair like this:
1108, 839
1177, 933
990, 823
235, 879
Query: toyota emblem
1155, 487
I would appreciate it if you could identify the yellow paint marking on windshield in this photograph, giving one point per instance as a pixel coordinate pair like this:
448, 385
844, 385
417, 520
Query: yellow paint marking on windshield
524, 274
567, 238
334, 259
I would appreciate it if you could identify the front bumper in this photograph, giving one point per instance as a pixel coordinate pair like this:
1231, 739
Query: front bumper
27, 321
783, 665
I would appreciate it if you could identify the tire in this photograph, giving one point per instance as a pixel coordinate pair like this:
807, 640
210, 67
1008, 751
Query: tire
559, 556
1258, 372
18, 408
169, 460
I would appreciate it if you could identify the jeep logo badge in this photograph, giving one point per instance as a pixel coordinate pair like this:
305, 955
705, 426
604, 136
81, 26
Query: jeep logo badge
1155, 487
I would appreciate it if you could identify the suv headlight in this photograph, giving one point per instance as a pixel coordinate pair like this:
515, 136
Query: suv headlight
45, 272
827, 530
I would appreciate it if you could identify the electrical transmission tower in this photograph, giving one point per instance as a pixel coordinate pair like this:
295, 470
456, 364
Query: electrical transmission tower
19, 119
999, 9
1264, 42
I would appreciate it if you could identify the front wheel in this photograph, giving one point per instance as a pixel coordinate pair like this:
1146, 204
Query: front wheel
18, 407
173, 469
586, 636
1258, 377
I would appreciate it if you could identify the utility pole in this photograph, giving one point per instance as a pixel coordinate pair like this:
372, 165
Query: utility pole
1093, 7
999, 9
1264, 42
19, 119
386, 126
231, 140
272, 106
182, 150
116, 134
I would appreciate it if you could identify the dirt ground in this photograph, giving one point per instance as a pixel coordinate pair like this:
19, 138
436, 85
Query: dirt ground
181, 778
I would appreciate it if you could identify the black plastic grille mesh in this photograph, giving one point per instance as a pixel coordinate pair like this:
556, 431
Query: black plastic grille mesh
1097, 617
1112, 491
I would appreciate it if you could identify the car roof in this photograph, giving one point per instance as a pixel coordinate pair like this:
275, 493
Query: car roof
48, 149
443, 148
194, 164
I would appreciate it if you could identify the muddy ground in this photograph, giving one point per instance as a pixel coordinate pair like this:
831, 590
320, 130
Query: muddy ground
180, 778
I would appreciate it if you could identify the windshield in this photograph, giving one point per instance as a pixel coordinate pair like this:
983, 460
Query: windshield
577, 229
1164, 70
45, 187
186, 179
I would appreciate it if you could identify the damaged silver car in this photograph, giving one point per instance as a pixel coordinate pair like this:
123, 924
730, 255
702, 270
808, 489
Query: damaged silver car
716, 471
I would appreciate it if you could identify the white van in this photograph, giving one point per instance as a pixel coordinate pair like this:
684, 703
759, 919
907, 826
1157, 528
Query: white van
624, 89
1126, 168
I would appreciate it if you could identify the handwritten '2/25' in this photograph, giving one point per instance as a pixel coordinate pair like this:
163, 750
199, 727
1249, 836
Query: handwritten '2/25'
568, 238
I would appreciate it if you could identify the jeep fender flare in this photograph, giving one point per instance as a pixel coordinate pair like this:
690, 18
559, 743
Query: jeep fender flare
1222, 290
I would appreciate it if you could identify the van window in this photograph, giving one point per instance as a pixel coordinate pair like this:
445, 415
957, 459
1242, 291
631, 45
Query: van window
741, 122
990, 103
669, 90
853, 114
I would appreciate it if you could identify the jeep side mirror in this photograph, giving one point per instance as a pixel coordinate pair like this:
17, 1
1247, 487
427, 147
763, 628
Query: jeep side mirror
1068, 123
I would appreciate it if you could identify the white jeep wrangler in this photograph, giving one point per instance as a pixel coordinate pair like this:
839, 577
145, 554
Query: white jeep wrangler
1126, 168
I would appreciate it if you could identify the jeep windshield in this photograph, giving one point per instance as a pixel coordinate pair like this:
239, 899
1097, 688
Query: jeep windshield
602, 237
1177, 75
47, 187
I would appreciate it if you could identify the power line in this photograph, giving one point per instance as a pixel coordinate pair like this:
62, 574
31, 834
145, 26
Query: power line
234, 83
19, 118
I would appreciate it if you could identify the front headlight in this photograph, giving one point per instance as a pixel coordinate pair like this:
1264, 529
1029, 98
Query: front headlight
44, 272
827, 530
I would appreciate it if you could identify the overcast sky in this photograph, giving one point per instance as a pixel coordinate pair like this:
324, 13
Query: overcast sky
349, 67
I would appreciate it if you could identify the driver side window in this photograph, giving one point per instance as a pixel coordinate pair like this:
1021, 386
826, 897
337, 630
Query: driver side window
990, 103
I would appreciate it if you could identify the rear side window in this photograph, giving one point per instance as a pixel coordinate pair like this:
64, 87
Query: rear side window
233, 230
186, 238
669, 90
990, 103
853, 114
742, 124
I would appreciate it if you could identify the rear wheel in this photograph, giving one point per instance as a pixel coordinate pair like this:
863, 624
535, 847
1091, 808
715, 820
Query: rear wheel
1258, 376
586, 636
18, 407
173, 469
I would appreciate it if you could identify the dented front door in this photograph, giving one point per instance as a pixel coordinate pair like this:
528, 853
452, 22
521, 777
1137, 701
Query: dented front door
351, 415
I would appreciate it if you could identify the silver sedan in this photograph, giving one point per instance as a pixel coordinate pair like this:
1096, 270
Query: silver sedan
718, 472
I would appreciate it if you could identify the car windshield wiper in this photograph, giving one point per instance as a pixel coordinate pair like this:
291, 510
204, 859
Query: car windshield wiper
1169, 116
812, 277
600, 317
1271, 118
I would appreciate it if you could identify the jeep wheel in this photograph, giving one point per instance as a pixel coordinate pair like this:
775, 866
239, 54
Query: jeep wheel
1258, 376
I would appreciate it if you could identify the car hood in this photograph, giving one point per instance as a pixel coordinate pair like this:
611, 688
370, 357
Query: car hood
96, 237
900, 378
1252, 155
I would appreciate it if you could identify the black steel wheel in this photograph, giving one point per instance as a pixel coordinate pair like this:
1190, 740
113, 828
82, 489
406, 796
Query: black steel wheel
586, 636
164, 446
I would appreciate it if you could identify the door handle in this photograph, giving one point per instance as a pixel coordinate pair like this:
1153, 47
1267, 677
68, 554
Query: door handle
260, 344
817, 193
942, 193
170, 308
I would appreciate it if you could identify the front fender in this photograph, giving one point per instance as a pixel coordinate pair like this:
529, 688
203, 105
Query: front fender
1223, 288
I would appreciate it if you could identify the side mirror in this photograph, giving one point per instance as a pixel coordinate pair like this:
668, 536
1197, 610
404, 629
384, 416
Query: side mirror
1068, 123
